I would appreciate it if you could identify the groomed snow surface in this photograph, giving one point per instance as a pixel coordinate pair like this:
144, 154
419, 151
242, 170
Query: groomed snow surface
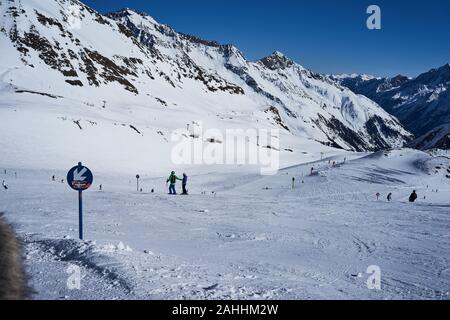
248, 237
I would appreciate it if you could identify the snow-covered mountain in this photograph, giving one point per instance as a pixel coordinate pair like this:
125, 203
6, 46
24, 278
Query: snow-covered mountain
421, 104
437, 138
127, 70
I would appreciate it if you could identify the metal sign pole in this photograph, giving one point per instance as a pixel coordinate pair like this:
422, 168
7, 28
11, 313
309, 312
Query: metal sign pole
80, 178
80, 213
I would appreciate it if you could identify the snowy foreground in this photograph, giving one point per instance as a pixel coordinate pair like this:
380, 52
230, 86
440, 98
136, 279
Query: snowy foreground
253, 238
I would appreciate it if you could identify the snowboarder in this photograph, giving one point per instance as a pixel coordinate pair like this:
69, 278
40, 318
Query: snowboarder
184, 183
413, 196
389, 196
5, 185
378, 195
172, 179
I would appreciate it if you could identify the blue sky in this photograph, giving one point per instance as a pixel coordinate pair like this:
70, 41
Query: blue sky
328, 36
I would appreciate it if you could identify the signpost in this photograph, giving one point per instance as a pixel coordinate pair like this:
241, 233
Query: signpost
80, 178
137, 182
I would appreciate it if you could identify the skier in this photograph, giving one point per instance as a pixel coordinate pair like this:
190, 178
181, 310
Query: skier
53, 178
172, 179
389, 196
100, 187
293, 182
312, 170
378, 195
413, 196
184, 183
5, 185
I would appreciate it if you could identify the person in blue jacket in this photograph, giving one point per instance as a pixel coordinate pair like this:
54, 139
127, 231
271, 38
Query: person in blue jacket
184, 183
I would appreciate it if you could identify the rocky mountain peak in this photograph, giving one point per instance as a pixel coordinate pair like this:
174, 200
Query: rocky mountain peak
277, 60
131, 14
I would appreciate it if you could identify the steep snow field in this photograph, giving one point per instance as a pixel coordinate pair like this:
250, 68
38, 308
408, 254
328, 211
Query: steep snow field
39, 132
248, 237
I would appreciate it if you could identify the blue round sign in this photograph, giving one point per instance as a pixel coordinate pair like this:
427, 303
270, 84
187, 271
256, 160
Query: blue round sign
80, 177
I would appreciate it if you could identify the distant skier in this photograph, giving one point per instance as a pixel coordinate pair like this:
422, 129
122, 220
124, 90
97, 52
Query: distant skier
293, 182
4, 185
378, 195
312, 170
413, 196
172, 180
53, 178
389, 196
100, 187
184, 183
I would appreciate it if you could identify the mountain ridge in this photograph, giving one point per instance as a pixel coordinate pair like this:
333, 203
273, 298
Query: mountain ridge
129, 62
421, 103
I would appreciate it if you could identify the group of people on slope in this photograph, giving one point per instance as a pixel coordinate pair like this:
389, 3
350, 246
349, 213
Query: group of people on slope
412, 197
172, 180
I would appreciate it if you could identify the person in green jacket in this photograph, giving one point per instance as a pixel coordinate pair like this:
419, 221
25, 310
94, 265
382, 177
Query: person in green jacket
172, 180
